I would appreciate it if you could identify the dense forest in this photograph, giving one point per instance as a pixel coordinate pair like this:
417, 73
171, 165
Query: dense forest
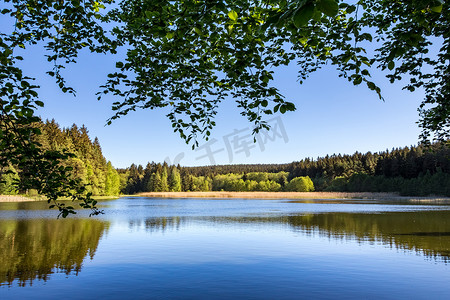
88, 164
165, 178
411, 171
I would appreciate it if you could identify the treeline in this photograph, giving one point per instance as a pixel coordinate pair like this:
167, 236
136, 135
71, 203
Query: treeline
89, 164
164, 178
407, 162
412, 171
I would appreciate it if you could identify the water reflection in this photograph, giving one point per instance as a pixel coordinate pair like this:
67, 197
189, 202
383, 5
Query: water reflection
424, 232
161, 224
35, 248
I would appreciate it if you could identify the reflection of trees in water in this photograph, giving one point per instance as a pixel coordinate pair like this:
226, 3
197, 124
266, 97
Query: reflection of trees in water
425, 232
35, 248
160, 224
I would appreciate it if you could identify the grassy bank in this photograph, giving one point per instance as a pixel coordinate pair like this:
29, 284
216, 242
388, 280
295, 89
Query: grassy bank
25, 198
282, 195
20, 198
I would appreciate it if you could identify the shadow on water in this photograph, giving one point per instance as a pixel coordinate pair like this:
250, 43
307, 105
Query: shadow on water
35, 248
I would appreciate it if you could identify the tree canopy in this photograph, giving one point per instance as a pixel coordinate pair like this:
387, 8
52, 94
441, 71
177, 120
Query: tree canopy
191, 55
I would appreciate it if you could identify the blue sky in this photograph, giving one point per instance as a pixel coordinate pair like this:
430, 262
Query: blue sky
332, 116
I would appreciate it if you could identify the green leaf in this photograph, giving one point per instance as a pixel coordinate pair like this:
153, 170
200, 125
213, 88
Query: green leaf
391, 65
198, 31
233, 15
371, 85
275, 109
357, 80
303, 14
328, 7
437, 9
230, 29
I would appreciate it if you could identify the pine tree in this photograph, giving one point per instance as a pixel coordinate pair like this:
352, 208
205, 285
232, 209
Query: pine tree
174, 180
157, 185
164, 177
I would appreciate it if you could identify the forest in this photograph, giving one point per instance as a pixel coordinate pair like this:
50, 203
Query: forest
88, 163
410, 171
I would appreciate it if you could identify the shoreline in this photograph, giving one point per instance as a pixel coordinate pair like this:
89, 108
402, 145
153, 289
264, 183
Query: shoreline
22, 198
287, 195
247, 195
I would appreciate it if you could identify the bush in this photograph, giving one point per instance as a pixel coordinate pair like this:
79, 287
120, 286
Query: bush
300, 184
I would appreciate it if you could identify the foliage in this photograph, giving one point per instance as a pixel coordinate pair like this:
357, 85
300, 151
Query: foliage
174, 180
8, 178
427, 184
191, 55
189, 182
300, 184
421, 170
63, 28
112, 181
88, 168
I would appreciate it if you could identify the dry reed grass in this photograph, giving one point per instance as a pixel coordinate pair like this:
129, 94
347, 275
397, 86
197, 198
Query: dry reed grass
271, 195
20, 198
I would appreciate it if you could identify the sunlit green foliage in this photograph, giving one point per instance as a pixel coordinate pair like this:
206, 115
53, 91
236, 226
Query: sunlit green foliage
89, 167
300, 184
112, 181
410, 171
8, 179
201, 184
188, 182
164, 177
63, 28
174, 180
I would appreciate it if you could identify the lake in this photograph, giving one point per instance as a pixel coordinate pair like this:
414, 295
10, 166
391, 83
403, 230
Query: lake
148, 248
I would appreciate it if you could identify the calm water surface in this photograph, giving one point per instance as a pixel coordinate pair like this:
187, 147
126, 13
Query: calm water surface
146, 248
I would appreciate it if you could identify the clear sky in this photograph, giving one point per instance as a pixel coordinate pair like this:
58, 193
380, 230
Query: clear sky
332, 116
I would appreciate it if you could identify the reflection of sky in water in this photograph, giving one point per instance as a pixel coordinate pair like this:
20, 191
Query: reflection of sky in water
254, 249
